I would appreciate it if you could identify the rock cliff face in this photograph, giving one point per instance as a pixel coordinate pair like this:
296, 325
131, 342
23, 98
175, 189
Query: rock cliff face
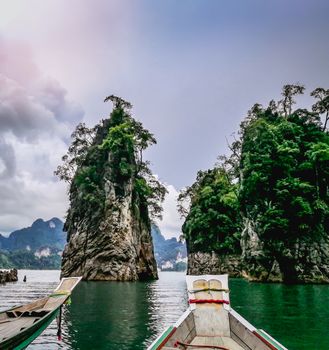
299, 261
119, 248
108, 224
200, 263
258, 264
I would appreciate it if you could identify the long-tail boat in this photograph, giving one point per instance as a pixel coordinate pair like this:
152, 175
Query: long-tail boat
211, 323
20, 325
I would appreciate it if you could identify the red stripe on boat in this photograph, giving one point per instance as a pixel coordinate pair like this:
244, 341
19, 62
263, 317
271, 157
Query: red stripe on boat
208, 301
271, 346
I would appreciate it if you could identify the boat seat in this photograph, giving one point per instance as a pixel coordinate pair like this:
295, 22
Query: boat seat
38, 313
30, 313
226, 342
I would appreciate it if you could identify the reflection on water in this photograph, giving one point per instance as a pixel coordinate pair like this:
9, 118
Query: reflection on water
122, 315
104, 315
298, 316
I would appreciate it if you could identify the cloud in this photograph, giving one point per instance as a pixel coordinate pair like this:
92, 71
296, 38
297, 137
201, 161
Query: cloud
54, 97
8, 160
36, 120
21, 113
171, 223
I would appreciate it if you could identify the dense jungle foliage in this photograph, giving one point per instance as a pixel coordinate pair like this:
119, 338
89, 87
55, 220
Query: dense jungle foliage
111, 151
277, 174
211, 223
23, 259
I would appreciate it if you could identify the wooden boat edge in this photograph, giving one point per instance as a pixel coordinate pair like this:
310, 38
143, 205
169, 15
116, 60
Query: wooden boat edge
22, 339
271, 342
262, 335
168, 332
46, 322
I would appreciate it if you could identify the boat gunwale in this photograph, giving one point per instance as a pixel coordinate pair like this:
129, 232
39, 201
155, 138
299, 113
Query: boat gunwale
268, 339
159, 342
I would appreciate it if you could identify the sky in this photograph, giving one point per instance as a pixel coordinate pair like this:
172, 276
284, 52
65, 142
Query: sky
191, 69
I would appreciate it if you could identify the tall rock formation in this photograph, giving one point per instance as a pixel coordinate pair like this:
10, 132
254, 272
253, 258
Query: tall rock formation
108, 224
277, 195
119, 248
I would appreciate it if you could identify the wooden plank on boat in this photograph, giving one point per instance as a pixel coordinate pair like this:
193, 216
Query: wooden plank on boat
270, 341
229, 343
14, 327
226, 342
68, 284
243, 335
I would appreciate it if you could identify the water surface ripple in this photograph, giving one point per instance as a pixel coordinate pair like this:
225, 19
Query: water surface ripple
129, 315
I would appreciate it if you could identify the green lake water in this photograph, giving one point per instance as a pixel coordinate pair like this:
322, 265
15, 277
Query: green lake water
122, 315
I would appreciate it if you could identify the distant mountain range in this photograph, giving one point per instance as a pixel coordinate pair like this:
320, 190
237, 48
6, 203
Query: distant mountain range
40, 246
170, 254
41, 234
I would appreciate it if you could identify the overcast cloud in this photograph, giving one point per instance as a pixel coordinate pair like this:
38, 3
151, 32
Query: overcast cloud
36, 119
191, 69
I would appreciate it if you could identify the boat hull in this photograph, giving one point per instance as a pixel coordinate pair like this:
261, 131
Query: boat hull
23, 339
242, 336
20, 325
210, 322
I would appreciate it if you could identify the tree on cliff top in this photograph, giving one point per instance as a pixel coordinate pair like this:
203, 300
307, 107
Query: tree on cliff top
284, 172
211, 219
277, 175
114, 146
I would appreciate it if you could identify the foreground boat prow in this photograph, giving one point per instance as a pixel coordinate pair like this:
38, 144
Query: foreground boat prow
210, 322
20, 325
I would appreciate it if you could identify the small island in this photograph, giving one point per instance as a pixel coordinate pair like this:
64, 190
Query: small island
263, 211
113, 195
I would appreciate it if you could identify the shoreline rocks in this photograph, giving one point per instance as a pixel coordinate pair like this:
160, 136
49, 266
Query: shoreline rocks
200, 263
8, 276
296, 262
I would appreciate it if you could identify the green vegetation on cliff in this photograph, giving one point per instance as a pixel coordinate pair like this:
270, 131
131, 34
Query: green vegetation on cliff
212, 221
285, 174
87, 161
113, 196
276, 178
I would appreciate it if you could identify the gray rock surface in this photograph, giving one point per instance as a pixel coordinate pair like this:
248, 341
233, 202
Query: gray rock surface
118, 248
299, 261
258, 264
214, 264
